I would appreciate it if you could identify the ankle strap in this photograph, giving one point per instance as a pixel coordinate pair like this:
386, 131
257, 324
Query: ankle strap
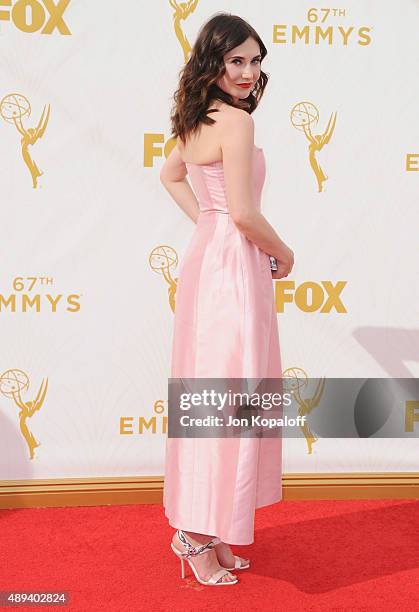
192, 551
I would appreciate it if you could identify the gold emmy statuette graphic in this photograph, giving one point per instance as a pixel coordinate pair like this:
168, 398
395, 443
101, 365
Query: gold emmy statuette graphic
182, 12
12, 384
13, 108
161, 259
303, 115
296, 378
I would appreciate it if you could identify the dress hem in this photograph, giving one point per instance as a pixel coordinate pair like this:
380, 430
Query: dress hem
201, 529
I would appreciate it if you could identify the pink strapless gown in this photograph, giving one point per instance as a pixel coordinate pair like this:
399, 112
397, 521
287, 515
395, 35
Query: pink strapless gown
225, 325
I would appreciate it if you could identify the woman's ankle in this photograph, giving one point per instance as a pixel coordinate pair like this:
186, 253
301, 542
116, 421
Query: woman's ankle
200, 538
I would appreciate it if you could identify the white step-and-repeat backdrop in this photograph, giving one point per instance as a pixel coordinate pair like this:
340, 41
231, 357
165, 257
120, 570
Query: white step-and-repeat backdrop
86, 305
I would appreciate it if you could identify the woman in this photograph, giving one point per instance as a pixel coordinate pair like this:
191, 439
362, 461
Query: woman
225, 318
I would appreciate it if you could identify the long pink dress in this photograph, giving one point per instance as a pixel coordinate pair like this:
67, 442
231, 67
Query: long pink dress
225, 325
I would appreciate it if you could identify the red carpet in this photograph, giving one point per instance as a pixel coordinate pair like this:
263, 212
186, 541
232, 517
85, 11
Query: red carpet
324, 555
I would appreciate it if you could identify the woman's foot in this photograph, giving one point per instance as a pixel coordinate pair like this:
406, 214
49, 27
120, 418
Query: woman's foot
206, 564
226, 557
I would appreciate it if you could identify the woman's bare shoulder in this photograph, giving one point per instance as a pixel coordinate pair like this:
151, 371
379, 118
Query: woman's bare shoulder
233, 114
237, 124
231, 124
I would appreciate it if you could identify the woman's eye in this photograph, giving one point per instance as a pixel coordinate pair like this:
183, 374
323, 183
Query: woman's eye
237, 60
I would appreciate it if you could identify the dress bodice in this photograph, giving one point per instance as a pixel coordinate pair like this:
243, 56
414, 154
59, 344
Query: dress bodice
209, 186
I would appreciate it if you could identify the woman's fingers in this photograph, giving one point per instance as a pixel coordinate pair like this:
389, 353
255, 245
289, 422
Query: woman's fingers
280, 273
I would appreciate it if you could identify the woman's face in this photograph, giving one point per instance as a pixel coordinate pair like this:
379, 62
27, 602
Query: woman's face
242, 66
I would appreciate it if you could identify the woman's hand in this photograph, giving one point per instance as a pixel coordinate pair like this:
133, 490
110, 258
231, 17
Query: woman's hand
285, 265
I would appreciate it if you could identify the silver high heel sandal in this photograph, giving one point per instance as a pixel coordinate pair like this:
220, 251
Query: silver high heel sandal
238, 564
192, 551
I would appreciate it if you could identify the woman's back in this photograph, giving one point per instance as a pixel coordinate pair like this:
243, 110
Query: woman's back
204, 146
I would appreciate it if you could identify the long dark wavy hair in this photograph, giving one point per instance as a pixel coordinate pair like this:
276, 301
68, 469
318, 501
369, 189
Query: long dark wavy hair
198, 77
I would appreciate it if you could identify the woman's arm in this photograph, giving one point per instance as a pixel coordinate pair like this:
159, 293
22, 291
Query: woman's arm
173, 177
238, 150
